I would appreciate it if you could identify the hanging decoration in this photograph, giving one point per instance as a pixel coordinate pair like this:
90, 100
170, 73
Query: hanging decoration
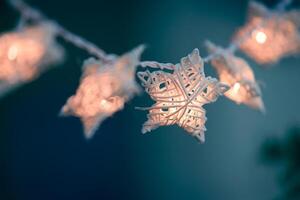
103, 90
180, 95
273, 34
236, 73
179, 90
26, 53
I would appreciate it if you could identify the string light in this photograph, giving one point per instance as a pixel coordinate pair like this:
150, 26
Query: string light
104, 89
108, 81
180, 95
236, 88
276, 36
25, 54
236, 73
260, 37
12, 52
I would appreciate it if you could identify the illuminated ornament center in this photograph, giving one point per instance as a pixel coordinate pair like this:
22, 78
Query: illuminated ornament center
236, 87
104, 103
260, 37
12, 53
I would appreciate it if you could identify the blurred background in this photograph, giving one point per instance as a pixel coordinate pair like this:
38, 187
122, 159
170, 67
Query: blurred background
46, 157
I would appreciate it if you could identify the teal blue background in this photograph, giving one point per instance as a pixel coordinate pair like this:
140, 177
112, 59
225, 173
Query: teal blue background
44, 157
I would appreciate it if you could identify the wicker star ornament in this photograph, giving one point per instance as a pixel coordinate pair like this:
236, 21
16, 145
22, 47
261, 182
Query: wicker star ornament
26, 53
103, 90
235, 72
273, 34
180, 94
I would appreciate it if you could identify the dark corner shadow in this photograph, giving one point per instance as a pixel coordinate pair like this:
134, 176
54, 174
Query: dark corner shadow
284, 152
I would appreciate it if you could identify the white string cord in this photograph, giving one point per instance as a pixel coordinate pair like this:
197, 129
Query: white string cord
29, 13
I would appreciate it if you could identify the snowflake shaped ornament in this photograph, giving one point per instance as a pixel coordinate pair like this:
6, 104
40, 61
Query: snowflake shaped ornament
26, 53
236, 73
103, 90
180, 95
275, 34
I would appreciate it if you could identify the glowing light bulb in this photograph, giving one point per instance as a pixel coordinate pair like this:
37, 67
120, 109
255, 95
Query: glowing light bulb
236, 87
260, 37
103, 102
12, 53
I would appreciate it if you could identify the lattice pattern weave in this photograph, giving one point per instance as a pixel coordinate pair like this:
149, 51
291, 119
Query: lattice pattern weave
180, 95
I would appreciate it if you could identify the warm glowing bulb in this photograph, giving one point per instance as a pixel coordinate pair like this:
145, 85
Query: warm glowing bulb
103, 102
236, 87
12, 53
260, 37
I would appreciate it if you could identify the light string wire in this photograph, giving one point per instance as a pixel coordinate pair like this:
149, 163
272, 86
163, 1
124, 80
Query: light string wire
29, 13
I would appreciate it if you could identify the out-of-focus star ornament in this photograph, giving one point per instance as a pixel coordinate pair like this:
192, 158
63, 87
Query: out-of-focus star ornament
26, 53
236, 73
104, 89
273, 34
180, 95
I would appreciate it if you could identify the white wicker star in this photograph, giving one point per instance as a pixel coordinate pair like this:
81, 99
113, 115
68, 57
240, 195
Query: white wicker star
180, 95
